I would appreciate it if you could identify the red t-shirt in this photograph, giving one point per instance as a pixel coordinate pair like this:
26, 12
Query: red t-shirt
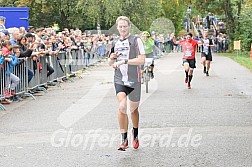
189, 48
6, 51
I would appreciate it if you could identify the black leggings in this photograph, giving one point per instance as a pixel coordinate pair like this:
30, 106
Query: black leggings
50, 70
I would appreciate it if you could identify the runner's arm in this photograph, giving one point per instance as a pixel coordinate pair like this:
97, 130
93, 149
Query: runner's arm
112, 56
175, 41
137, 61
112, 59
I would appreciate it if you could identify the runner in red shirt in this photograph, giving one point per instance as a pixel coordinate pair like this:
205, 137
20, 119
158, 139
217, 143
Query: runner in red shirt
189, 47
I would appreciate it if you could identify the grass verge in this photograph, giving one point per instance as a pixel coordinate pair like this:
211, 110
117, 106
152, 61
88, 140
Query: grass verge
243, 59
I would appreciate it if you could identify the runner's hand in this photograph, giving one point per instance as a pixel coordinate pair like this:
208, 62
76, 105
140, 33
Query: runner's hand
117, 64
113, 56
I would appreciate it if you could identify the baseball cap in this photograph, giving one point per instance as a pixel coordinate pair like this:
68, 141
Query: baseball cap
6, 32
45, 37
29, 35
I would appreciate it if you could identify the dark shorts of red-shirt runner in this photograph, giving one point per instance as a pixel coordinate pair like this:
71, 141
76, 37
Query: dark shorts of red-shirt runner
134, 92
191, 62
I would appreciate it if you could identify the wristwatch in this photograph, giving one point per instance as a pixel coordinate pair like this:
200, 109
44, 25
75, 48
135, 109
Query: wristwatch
126, 61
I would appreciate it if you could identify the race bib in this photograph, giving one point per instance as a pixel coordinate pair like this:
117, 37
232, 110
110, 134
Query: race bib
188, 53
205, 46
205, 49
188, 49
128, 83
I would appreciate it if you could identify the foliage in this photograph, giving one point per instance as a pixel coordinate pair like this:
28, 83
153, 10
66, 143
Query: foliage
236, 17
244, 32
86, 14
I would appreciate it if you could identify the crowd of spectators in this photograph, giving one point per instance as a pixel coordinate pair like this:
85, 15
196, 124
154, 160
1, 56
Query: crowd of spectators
18, 45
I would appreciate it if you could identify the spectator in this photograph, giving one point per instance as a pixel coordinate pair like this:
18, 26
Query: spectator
26, 52
15, 36
44, 47
22, 31
198, 22
30, 38
13, 79
31, 29
168, 43
6, 35
208, 21
6, 49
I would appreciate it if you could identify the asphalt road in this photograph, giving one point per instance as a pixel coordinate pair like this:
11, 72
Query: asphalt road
76, 125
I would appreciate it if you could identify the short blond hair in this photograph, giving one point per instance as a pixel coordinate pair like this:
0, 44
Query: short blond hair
125, 18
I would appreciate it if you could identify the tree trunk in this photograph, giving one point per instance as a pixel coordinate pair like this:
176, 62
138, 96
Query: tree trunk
229, 19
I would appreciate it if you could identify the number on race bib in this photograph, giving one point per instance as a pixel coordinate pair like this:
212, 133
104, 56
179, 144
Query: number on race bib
188, 53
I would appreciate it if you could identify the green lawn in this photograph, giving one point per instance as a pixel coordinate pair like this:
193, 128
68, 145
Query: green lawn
243, 59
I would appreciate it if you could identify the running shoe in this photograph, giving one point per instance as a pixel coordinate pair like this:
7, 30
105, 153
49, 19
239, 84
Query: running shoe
5, 101
189, 85
186, 79
135, 141
123, 146
207, 74
7, 94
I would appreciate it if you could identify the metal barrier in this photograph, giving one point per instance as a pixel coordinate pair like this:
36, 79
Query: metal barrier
63, 64
52, 62
36, 65
21, 71
14, 82
59, 65
2, 79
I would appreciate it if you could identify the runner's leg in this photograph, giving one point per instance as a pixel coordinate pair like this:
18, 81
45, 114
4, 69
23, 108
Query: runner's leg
123, 119
208, 67
135, 121
190, 78
122, 112
203, 60
186, 67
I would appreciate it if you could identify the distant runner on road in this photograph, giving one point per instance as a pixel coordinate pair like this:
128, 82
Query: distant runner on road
206, 54
189, 47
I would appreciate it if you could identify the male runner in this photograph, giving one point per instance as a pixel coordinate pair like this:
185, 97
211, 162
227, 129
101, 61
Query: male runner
127, 54
206, 54
189, 47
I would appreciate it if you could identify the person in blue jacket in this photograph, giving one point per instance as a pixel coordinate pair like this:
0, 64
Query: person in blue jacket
12, 61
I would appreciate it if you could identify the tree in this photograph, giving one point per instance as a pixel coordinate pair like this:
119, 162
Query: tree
244, 31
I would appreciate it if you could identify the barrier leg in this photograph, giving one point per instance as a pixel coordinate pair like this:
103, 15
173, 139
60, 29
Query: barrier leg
26, 94
40, 88
68, 78
58, 83
2, 107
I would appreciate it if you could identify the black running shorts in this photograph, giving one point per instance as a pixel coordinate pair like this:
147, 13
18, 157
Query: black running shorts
192, 62
134, 92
